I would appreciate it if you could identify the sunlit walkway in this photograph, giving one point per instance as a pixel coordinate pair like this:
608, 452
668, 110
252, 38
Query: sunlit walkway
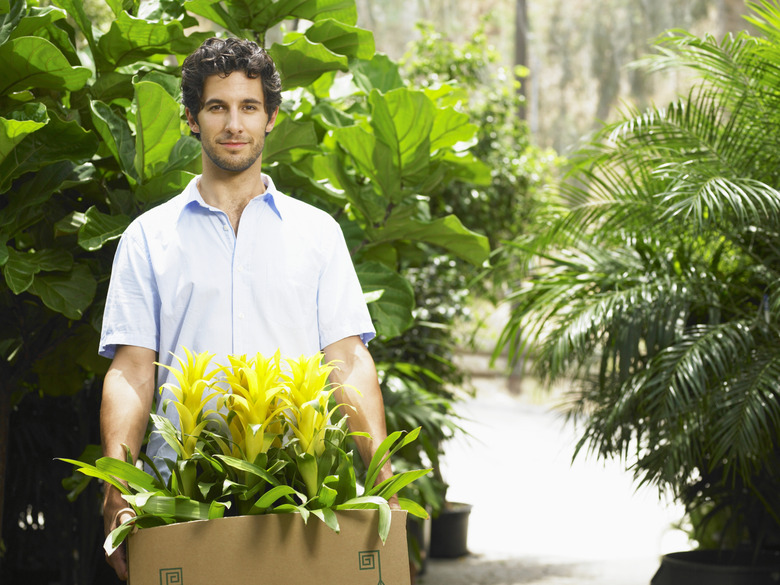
538, 518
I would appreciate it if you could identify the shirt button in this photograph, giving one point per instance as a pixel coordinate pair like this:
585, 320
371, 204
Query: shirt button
240, 315
224, 228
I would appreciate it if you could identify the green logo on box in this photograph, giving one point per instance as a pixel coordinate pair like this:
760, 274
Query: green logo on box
368, 560
171, 577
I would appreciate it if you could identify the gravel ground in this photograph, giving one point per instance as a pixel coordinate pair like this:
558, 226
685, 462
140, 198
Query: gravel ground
538, 517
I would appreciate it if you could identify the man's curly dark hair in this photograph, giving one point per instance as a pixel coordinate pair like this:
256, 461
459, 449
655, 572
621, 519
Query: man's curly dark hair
222, 57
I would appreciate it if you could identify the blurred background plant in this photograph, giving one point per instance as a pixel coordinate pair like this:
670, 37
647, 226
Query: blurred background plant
654, 287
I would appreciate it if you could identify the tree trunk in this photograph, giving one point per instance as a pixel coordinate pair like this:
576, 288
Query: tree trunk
521, 48
5, 423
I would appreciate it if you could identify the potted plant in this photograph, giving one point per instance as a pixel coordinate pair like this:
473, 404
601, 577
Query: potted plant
654, 286
269, 447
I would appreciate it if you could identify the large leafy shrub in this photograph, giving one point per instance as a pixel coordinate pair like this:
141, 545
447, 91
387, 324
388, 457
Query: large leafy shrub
656, 286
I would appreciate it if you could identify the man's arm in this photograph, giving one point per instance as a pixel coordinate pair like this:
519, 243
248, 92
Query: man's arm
355, 372
128, 391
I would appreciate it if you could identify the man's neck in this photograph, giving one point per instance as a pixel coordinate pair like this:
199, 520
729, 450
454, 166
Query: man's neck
231, 192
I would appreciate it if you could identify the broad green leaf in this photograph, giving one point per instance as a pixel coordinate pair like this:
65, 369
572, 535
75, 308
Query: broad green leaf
315, 10
27, 203
100, 228
380, 73
21, 267
289, 140
10, 15
164, 186
342, 39
56, 141
18, 271
466, 167
132, 39
449, 128
215, 12
38, 18
33, 62
185, 156
157, 128
112, 85
392, 312
374, 159
403, 119
18, 125
69, 293
302, 62
75, 8
447, 232
115, 132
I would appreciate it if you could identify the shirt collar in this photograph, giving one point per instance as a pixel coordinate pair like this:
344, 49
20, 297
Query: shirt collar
193, 196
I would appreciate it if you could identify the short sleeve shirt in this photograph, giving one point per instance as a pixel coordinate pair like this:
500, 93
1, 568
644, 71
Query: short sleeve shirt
183, 278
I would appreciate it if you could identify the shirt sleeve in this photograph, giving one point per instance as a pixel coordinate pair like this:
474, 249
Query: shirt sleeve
341, 308
131, 315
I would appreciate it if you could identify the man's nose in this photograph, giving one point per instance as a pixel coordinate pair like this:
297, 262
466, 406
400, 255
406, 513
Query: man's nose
233, 122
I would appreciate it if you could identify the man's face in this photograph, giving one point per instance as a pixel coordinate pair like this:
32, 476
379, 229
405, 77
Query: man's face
232, 122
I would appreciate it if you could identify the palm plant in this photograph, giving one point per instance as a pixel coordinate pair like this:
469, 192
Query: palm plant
655, 284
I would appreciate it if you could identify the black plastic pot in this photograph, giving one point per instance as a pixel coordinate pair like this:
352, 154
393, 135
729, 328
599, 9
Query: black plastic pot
711, 567
449, 531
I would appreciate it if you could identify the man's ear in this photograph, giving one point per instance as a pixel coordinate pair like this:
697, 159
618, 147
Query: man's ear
192, 121
271, 121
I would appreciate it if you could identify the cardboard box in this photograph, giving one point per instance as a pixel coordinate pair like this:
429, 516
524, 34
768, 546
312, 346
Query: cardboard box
274, 549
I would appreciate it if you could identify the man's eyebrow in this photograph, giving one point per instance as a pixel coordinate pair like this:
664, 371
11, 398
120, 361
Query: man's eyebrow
221, 101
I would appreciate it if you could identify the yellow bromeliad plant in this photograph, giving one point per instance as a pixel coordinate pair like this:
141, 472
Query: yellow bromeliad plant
270, 446
252, 404
191, 396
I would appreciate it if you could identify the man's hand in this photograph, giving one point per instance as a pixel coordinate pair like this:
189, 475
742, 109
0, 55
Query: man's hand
115, 512
128, 391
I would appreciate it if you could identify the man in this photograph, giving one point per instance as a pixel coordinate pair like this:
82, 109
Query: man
230, 266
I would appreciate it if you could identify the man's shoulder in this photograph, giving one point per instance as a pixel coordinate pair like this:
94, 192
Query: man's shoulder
299, 211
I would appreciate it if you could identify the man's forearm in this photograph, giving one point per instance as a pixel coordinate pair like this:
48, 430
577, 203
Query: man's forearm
359, 389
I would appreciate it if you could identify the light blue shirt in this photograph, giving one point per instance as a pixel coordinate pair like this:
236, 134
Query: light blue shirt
183, 278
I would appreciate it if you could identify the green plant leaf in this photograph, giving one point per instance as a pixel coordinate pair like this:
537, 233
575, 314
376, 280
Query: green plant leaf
22, 122
301, 62
413, 508
131, 39
342, 39
115, 132
10, 15
136, 478
272, 496
99, 228
289, 140
75, 8
26, 204
21, 267
374, 159
56, 141
403, 120
450, 127
392, 311
380, 73
158, 128
34, 62
163, 186
328, 516
447, 232
69, 293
